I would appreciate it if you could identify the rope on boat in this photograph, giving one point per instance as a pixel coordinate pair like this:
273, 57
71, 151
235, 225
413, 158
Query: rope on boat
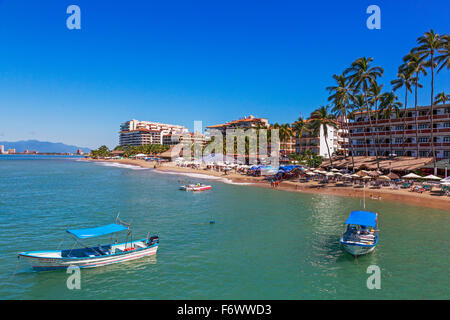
17, 266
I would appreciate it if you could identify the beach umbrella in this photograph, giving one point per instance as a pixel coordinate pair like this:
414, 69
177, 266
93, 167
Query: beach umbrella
393, 176
355, 176
329, 174
335, 170
373, 174
367, 177
347, 175
361, 173
412, 176
432, 177
384, 178
338, 174
317, 171
310, 173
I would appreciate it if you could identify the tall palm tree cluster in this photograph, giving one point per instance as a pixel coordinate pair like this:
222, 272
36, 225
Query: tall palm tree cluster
357, 90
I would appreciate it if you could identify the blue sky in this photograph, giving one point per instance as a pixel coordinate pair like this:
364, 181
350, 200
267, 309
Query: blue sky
180, 61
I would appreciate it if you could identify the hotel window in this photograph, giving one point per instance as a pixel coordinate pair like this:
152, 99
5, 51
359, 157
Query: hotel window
424, 139
446, 124
424, 126
447, 154
447, 139
423, 153
398, 128
398, 140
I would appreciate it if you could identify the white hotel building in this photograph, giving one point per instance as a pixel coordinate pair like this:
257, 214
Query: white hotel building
137, 133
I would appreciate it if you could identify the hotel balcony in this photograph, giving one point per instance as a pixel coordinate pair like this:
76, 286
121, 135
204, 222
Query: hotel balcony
408, 120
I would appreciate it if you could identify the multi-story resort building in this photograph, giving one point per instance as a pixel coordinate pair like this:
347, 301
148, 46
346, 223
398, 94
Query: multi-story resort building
188, 137
243, 123
288, 146
317, 143
397, 136
335, 138
136, 133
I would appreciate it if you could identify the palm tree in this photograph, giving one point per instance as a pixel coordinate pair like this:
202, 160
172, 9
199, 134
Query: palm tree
300, 127
429, 45
362, 75
284, 131
374, 98
415, 63
358, 105
441, 98
389, 105
444, 58
321, 118
403, 80
342, 95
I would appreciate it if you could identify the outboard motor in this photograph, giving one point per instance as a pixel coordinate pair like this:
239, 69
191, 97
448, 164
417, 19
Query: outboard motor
152, 240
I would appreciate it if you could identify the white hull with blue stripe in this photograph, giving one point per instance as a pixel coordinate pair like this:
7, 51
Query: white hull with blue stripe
50, 260
92, 257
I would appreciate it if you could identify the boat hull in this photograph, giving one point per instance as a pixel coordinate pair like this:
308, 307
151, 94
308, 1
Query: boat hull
357, 250
46, 263
202, 188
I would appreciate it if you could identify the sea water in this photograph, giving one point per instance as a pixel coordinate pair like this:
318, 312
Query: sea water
264, 244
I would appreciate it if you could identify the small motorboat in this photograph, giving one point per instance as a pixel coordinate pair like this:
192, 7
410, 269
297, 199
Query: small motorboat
361, 234
94, 256
195, 187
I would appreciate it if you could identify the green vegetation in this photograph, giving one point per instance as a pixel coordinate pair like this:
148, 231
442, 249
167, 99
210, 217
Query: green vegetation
101, 152
149, 149
307, 157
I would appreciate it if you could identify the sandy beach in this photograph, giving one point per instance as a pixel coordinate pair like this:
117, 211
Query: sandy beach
426, 199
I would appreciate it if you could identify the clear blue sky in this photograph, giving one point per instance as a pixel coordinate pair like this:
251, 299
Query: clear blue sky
180, 61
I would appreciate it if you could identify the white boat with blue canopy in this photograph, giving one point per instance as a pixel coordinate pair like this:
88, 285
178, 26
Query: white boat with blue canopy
361, 234
93, 256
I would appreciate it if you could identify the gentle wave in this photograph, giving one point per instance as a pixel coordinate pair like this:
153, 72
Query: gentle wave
121, 165
204, 176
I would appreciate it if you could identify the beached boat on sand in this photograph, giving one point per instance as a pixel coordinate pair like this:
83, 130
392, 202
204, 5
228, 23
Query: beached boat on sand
195, 187
361, 235
91, 257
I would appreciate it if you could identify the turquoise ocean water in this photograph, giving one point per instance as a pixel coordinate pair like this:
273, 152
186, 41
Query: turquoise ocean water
265, 244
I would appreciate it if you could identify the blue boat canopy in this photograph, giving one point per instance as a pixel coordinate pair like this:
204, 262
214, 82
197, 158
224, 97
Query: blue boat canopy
96, 232
362, 218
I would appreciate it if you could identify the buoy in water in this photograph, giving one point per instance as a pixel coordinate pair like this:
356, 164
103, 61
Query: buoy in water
212, 222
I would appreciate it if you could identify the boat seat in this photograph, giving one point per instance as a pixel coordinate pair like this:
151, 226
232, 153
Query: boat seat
100, 249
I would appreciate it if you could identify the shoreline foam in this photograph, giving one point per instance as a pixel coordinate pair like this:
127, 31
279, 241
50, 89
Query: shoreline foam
402, 195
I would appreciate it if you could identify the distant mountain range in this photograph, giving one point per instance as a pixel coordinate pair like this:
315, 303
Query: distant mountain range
42, 147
